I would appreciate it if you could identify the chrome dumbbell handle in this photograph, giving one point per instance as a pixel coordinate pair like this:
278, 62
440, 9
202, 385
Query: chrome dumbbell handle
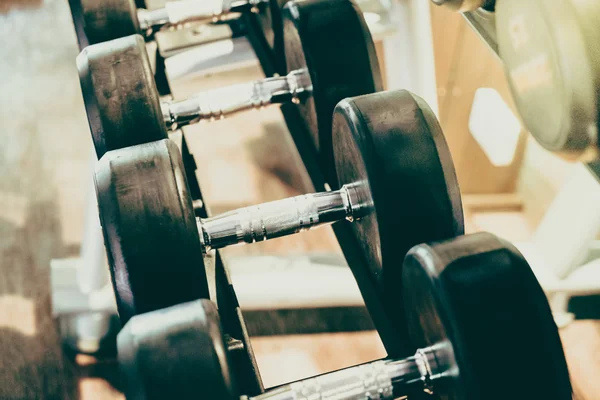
218, 103
179, 12
379, 380
281, 218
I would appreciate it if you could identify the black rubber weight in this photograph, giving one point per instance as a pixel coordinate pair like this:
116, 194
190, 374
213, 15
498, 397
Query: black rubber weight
176, 353
392, 144
79, 23
120, 95
332, 41
104, 20
478, 294
270, 23
149, 227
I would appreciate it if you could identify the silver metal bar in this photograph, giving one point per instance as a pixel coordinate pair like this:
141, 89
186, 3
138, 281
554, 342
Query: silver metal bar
381, 380
280, 218
368, 381
218, 103
152, 20
179, 12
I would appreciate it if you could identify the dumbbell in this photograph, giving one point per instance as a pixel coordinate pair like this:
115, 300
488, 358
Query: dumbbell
329, 53
398, 188
98, 21
553, 67
552, 63
480, 324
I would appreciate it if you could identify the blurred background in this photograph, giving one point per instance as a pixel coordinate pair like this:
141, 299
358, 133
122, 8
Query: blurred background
511, 186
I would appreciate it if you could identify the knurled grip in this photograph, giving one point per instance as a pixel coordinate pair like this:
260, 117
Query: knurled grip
221, 102
274, 219
280, 218
365, 382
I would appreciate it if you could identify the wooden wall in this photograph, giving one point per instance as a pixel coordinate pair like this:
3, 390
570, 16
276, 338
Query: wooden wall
464, 64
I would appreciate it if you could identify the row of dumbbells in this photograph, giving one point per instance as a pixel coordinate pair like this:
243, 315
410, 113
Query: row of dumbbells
461, 317
554, 77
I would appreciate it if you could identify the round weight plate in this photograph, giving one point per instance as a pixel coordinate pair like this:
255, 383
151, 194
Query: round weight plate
391, 144
550, 70
272, 28
120, 95
331, 40
150, 230
478, 297
79, 24
176, 353
98, 21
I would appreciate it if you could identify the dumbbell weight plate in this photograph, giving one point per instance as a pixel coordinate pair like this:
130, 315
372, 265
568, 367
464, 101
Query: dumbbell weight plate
98, 21
332, 41
150, 229
120, 95
478, 295
176, 353
392, 142
271, 28
552, 64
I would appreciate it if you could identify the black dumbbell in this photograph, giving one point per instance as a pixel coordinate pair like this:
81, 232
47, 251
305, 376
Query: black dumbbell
479, 321
190, 333
98, 21
329, 55
399, 189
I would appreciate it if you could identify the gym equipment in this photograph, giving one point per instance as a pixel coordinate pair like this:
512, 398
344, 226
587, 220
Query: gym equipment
399, 189
472, 340
99, 21
553, 68
330, 56
552, 64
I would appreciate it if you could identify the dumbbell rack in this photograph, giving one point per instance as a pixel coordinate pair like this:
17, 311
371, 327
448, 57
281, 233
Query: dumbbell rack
81, 291
246, 371
246, 374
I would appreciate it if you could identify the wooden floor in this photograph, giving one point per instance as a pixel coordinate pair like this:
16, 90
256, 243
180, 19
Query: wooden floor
44, 158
